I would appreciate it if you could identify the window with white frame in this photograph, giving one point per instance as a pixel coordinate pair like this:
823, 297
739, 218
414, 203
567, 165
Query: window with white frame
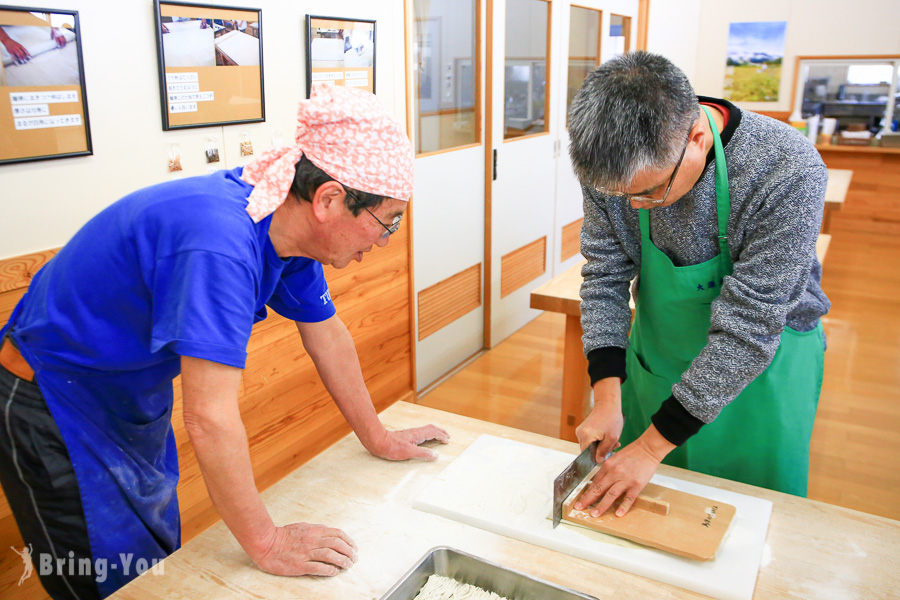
861, 93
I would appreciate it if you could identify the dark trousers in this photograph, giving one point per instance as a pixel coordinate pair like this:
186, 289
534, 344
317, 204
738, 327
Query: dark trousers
40, 485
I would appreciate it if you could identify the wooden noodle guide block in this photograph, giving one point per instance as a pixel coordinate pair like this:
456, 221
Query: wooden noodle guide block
663, 518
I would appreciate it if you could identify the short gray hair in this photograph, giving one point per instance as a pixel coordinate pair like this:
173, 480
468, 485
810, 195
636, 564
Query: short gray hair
632, 113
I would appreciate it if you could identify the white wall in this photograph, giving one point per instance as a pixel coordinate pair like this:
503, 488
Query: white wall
815, 27
673, 30
42, 204
693, 34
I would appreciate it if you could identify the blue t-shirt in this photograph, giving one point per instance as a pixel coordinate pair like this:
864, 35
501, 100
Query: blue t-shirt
173, 269
170, 270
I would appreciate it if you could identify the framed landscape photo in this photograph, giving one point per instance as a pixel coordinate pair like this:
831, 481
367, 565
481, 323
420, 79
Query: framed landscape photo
340, 51
753, 65
43, 103
210, 64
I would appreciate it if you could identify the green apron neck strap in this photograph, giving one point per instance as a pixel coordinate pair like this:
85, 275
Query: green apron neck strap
723, 201
644, 216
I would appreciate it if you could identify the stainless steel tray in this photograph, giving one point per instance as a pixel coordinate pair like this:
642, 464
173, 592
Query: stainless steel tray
476, 571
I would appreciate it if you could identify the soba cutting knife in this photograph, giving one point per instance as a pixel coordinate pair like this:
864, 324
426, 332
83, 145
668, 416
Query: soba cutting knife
569, 479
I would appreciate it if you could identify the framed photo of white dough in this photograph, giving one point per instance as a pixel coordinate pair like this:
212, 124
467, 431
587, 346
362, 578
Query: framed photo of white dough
340, 51
43, 103
210, 64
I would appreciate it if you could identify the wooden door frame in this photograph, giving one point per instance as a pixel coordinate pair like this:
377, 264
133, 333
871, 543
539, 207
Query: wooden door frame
642, 20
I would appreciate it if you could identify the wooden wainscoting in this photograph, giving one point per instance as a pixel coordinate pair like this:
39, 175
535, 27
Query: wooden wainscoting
448, 300
522, 265
571, 239
16, 273
873, 199
287, 412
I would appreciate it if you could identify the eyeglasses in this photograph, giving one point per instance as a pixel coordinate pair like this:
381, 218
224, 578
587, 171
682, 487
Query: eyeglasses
645, 199
389, 229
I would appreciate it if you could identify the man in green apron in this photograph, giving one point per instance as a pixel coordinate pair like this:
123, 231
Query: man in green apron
714, 211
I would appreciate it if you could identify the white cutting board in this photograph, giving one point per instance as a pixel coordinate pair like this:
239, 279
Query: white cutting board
506, 487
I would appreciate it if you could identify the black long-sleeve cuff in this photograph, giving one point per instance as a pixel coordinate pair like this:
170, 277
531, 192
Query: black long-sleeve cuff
674, 422
606, 362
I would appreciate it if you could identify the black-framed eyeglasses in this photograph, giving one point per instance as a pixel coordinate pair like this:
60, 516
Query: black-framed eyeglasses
389, 229
645, 199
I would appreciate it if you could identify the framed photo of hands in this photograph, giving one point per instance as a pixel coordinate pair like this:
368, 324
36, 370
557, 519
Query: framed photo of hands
340, 51
43, 103
210, 64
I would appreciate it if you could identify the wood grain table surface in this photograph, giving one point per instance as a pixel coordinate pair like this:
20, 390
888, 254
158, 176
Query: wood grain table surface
835, 194
814, 550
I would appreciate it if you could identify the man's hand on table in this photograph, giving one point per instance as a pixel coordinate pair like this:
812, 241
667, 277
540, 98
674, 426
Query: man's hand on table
305, 549
625, 473
404, 444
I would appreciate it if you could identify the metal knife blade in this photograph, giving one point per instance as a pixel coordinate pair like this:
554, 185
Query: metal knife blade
569, 479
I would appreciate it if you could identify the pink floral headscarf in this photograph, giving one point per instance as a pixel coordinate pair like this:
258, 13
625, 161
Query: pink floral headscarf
347, 133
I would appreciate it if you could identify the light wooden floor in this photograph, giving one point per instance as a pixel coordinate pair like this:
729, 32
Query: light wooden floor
855, 455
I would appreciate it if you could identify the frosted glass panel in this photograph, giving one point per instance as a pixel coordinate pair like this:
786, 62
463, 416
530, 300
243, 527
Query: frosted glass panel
525, 69
448, 106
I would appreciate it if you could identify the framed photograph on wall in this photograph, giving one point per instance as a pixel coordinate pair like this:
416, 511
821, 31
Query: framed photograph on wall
753, 65
43, 103
427, 57
210, 64
340, 51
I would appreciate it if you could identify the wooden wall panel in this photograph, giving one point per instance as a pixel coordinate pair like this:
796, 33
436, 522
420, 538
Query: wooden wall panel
16, 273
288, 415
873, 199
571, 239
448, 300
642, 24
522, 265
8, 301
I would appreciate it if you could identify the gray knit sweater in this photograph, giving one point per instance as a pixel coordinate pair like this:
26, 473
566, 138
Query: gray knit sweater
777, 186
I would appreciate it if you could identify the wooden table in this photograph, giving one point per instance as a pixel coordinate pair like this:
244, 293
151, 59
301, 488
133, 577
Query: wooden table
562, 294
835, 194
815, 550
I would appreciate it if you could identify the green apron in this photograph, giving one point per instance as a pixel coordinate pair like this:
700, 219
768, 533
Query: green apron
762, 437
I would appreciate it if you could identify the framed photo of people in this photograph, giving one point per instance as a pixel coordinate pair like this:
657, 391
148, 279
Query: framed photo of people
43, 103
340, 51
210, 64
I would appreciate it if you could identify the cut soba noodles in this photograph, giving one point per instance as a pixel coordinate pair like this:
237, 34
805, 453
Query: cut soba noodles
443, 588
